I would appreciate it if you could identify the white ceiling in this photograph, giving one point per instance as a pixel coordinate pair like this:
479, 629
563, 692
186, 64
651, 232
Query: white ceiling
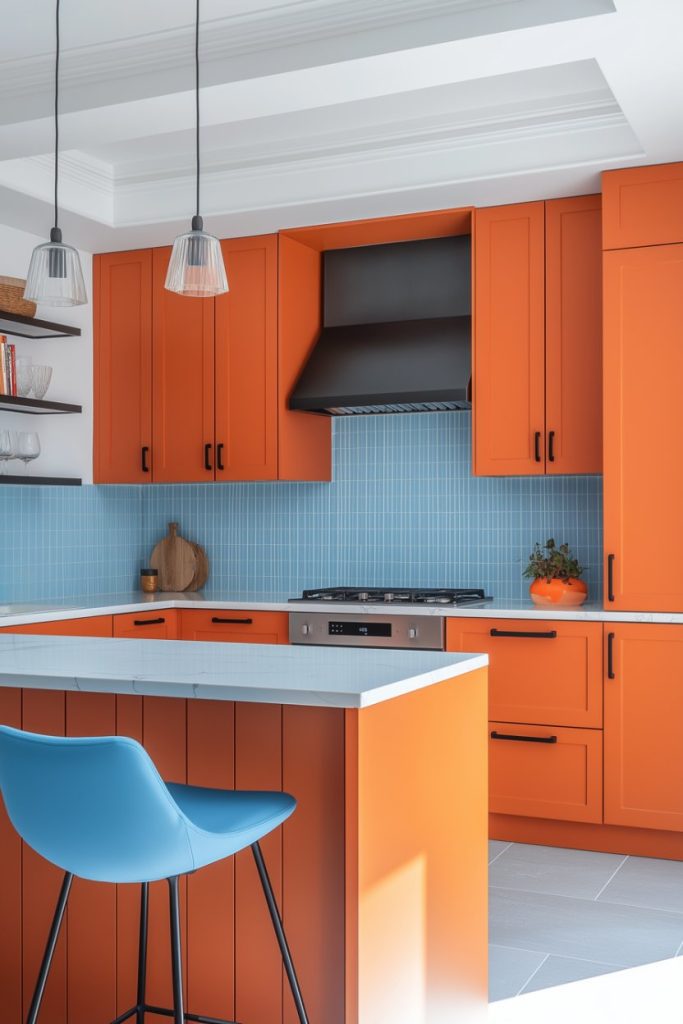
319, 110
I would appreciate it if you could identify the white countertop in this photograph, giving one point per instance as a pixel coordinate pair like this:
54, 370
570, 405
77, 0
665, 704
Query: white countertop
271, 674
135, 601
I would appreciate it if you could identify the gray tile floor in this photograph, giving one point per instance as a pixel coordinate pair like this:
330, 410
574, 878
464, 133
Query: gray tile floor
560, 915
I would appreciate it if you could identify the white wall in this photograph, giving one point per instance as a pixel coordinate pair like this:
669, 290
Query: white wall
66, 441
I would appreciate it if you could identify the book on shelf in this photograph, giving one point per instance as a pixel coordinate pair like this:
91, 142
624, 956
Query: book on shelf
8, 367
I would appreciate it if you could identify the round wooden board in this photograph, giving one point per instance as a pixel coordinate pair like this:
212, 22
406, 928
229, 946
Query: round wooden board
202, 571
175, 560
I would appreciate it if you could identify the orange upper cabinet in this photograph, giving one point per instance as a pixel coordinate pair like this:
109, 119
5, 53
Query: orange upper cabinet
643, 483
182, 375
123, 367
508, 370
642, 206
537, 338
644, 726
573, 335
246, 362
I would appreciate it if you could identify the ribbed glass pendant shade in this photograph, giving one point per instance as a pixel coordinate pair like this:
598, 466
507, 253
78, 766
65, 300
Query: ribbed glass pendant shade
54, 275
196, 266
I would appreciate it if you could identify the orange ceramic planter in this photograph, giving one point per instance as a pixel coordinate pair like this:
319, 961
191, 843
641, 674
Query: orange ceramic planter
564, 592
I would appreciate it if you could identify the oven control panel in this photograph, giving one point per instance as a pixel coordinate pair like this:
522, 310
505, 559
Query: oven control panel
419, 632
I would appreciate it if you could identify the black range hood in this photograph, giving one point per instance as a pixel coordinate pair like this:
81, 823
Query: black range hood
397, 331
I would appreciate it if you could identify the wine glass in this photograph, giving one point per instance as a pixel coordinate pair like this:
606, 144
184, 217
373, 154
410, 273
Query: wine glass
28, 447
6, 449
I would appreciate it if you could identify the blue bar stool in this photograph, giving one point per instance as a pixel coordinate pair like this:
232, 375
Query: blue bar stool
98, 808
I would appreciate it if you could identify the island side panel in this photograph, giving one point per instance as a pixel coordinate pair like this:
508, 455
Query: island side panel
10, 890
313, 859
417, 856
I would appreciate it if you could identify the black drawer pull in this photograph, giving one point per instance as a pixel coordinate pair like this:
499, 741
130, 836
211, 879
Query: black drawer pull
531, 635
537, 446
610, 577
610, 656
145, 453
148, 622
523, 739
233, 622
207, 456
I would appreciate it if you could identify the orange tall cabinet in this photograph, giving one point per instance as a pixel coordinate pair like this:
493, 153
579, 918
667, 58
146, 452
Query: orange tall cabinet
537, 352
195, 390
643, 358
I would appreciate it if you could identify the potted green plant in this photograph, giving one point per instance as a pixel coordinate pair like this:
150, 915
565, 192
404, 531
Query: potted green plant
555, 575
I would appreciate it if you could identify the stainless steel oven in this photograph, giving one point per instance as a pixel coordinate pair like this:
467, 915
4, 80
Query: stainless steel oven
330, 628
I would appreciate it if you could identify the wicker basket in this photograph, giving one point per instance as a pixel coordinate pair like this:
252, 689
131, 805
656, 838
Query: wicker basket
12, 297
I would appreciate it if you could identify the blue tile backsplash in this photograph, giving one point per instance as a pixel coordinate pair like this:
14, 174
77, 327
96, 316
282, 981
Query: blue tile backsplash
403, 510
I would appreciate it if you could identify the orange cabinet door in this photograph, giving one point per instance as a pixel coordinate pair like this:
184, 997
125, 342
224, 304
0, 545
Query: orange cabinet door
158, 625
122, 295
642, 206
237, 626
95, 625
246, 362
182, 380
573, 335
508, 371
545, 772
643, 425
540, 671
644, 726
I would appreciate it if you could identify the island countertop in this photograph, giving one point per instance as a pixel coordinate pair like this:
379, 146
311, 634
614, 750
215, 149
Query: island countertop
270, 674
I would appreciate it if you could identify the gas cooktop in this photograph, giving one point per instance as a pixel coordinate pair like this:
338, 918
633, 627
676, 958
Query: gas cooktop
393, 595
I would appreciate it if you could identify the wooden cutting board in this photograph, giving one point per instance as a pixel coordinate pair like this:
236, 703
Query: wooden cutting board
175, 559
202, 571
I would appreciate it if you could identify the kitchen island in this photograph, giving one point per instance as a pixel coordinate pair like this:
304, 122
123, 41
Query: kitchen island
381, 871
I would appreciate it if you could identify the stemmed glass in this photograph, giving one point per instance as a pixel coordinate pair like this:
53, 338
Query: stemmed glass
28, 447
6, 449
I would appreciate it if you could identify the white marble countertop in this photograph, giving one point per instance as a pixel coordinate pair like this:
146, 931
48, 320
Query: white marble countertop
271, 674
135, 601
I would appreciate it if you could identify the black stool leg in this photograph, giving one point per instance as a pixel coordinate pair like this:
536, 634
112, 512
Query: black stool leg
142, 954
176, 956
280, 933
49, 949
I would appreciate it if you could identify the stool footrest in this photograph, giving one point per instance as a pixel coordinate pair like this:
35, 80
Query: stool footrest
160, 1011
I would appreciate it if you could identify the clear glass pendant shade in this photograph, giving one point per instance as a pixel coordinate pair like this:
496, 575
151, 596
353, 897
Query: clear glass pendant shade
54, 276
196, 266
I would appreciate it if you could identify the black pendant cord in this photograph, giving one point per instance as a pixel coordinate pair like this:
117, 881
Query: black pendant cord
56, 224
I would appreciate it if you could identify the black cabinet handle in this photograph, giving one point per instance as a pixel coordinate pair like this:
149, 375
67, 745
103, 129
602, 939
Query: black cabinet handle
219, 456
610, 577
551, 446
241, 622
610, 656
207, 456
549, 635
523, 739
537, 446
148, 622
145, 453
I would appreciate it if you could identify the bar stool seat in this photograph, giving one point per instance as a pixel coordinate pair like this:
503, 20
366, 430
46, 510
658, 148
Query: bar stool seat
98, 808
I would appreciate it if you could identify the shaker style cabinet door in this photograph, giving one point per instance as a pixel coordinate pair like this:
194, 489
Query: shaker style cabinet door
122, 290
642, 206
644, 725
246, 362
508, 372
573, 335
643, 427
182, 382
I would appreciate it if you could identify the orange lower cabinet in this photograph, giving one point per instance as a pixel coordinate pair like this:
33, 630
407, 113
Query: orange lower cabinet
235, 626
545, 771
95, 625
10, 890
644, 725
158, 625
539, 670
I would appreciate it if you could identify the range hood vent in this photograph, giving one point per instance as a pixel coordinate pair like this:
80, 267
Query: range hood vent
396, 334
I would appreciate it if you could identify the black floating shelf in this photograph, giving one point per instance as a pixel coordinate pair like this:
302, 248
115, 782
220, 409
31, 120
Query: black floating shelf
26, 327
36, 406
59, 481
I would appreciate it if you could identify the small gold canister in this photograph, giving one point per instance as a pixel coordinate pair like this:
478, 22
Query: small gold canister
149, 580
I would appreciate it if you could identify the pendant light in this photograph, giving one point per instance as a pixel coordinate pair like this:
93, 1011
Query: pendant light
54, 275
196, 266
